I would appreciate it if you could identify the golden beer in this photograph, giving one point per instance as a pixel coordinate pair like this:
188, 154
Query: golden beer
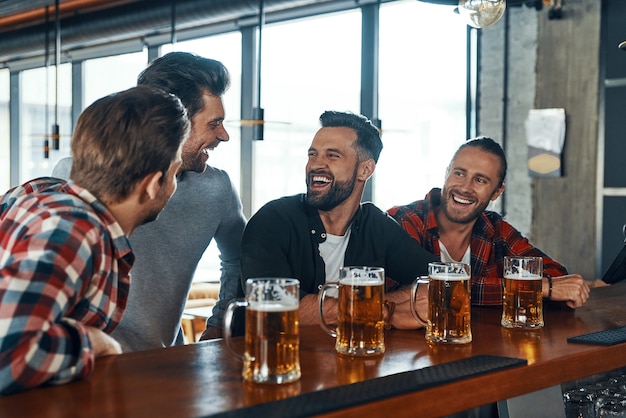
449, 309
360, 322
522, 302
271, 343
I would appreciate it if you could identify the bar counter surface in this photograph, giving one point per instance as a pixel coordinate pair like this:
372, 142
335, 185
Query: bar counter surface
203, 379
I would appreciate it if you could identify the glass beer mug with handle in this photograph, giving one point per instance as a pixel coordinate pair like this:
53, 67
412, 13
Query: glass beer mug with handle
272, 336
449, 303
522, 300
360, 313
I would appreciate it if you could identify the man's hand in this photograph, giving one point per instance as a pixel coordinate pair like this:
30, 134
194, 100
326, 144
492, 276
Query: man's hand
571, 289
402, 317
101, 343
211, 333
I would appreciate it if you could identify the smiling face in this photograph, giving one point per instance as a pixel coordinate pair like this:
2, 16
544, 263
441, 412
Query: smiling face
332, 168
207, 131
472, 181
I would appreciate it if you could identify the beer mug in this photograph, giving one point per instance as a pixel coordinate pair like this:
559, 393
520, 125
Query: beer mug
360, 314
522, 300
272, 338
449, 303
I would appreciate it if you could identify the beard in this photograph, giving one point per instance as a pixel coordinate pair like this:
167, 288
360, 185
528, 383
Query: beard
454, 216
192, 161
338, 193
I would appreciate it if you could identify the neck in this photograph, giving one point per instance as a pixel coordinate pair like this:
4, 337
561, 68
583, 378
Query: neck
337, 220
124, 214
455, 236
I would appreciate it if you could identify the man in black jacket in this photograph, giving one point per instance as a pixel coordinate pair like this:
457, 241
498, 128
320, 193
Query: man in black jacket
311, 236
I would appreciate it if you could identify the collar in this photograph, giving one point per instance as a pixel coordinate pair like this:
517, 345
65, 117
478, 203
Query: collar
121, 245
316, 227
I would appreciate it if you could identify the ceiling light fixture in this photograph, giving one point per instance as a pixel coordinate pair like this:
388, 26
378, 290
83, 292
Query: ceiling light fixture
481, 13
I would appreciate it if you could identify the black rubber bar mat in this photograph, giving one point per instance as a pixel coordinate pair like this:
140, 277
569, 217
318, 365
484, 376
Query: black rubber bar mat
331, 399
605, 337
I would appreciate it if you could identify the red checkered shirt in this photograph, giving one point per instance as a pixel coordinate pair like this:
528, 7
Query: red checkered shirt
492, 239
64, 264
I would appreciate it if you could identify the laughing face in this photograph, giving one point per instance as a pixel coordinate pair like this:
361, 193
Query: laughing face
472, 181
207, 131
331, 170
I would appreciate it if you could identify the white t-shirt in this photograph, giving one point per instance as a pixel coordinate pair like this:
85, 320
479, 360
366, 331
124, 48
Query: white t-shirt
445, 255
333, 252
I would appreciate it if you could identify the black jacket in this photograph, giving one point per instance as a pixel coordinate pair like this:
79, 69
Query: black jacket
281, 240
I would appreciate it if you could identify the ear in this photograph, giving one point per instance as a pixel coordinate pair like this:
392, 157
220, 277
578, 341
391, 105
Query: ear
497, 193
150, 186
366, 169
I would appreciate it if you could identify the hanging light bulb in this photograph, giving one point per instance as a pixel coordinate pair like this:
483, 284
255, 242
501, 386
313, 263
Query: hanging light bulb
481, 13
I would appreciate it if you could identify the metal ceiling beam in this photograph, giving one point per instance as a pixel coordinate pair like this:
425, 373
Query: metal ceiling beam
140, 20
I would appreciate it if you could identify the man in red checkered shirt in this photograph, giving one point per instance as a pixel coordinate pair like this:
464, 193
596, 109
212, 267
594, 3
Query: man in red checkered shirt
453, 224
65, 258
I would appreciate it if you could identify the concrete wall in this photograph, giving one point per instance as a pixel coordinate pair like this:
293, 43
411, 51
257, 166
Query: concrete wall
551, 63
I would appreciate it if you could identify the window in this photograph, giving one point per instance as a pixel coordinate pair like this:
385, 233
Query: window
108, 75
422, 98
309, 66
37, 115
5, 146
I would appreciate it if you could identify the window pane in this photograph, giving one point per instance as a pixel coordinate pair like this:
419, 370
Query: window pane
5, 162
309, 66
108, 75
227, 49
422, 98
37, 115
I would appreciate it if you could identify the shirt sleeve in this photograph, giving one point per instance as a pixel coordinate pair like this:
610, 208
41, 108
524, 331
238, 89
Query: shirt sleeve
228, 240
265, 246
43, 275
519, 246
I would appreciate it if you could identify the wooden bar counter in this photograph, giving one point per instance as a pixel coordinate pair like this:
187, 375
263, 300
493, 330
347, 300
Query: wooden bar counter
204, 379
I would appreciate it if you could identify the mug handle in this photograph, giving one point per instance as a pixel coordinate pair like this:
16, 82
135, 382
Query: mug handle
414, 289
331, 331
228, 322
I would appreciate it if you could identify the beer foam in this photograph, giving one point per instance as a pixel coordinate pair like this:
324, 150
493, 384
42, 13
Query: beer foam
370, 281
450, 276
524, 276
283, 306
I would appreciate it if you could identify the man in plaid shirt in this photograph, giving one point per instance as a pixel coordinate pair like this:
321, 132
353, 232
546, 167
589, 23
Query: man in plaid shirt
453, 224
64, 252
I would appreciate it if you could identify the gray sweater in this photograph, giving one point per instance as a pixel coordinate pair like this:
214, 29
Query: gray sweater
204, 206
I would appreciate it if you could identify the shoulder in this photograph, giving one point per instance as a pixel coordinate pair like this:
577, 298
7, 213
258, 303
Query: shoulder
371, 215
210, 176
211, 187
494, 218
62, 168
418, 208
493, 222
287, 205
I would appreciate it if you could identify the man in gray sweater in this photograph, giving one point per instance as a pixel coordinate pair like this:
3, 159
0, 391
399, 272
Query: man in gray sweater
205, 206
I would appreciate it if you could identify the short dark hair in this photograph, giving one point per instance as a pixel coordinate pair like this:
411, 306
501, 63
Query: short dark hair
488, 145
187, 75
368, 143
123, 137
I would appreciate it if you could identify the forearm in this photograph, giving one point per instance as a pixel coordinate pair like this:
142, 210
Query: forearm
31, 362
310, 310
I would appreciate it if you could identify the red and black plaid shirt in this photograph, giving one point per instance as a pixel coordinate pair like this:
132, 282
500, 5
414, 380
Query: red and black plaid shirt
492, 239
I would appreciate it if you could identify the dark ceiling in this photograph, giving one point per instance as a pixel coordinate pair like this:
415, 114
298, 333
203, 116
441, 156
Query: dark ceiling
17, 14
88, 26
